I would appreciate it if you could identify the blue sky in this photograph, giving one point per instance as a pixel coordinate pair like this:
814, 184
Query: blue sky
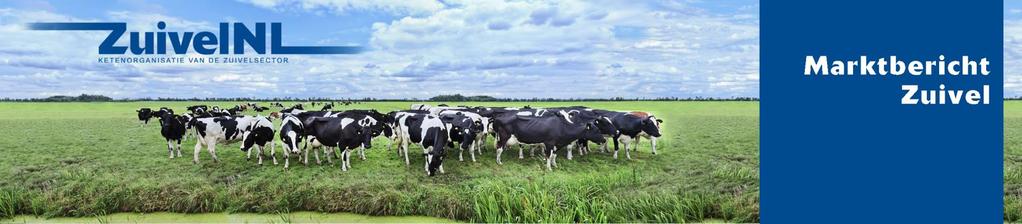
1012, 48
416, 48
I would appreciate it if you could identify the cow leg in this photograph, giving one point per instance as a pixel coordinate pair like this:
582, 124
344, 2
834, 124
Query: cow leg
652, 140
260, 154
499, 151
273, 152
361, 152
404, 147
179, 148
616, 141
550, 157
521, 155
627, 144
347, 157
482, 143
553, 154
198, 148
461, 153
425, 157
170, 148
211, 146
248, 154
472, 147
316, 151
500, 143
399, 143
287, 155
344, 159
441, 168
569, 152
472, 151
327, 152
305, 153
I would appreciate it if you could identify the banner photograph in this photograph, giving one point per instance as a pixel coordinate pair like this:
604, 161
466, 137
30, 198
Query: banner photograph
510, 111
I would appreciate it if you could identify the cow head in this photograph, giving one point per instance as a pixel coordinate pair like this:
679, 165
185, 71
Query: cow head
435, 157
167, 118
144, 113
248, 140
651, 126
384, 122
592, 133
367, 129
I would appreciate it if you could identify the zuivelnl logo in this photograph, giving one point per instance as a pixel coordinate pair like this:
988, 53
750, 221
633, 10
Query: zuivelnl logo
231, 38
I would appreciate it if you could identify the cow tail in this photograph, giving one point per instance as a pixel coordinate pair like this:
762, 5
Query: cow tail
497, 128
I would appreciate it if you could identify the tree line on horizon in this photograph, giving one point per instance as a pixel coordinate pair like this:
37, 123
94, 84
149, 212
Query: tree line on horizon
439, 98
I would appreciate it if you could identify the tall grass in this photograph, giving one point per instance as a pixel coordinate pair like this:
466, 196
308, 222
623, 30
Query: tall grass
9, 203
598, 198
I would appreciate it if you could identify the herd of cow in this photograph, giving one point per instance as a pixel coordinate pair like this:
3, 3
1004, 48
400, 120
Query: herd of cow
434, 128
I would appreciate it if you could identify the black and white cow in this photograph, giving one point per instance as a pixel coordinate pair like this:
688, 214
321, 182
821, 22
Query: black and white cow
603, 123
165, 110
461, 129
554, 132
466, 126
525, 112
380, 127
306, 117
384, 120
216, 111
211, 131
434, 110
198, 109
236, 110
144, 114
396, 128
173, 131
186, 120
346, 132
631, 126
259, 134
327, 106
427, 131
292, 132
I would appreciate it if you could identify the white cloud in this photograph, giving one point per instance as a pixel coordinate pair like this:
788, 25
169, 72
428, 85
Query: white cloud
1013, 58
415, 7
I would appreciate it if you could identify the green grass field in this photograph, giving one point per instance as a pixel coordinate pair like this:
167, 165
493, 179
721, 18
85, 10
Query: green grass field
90, 159
1013, 161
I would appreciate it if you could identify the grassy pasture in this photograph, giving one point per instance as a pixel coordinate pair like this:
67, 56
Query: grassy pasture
91, 159
1013, 161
